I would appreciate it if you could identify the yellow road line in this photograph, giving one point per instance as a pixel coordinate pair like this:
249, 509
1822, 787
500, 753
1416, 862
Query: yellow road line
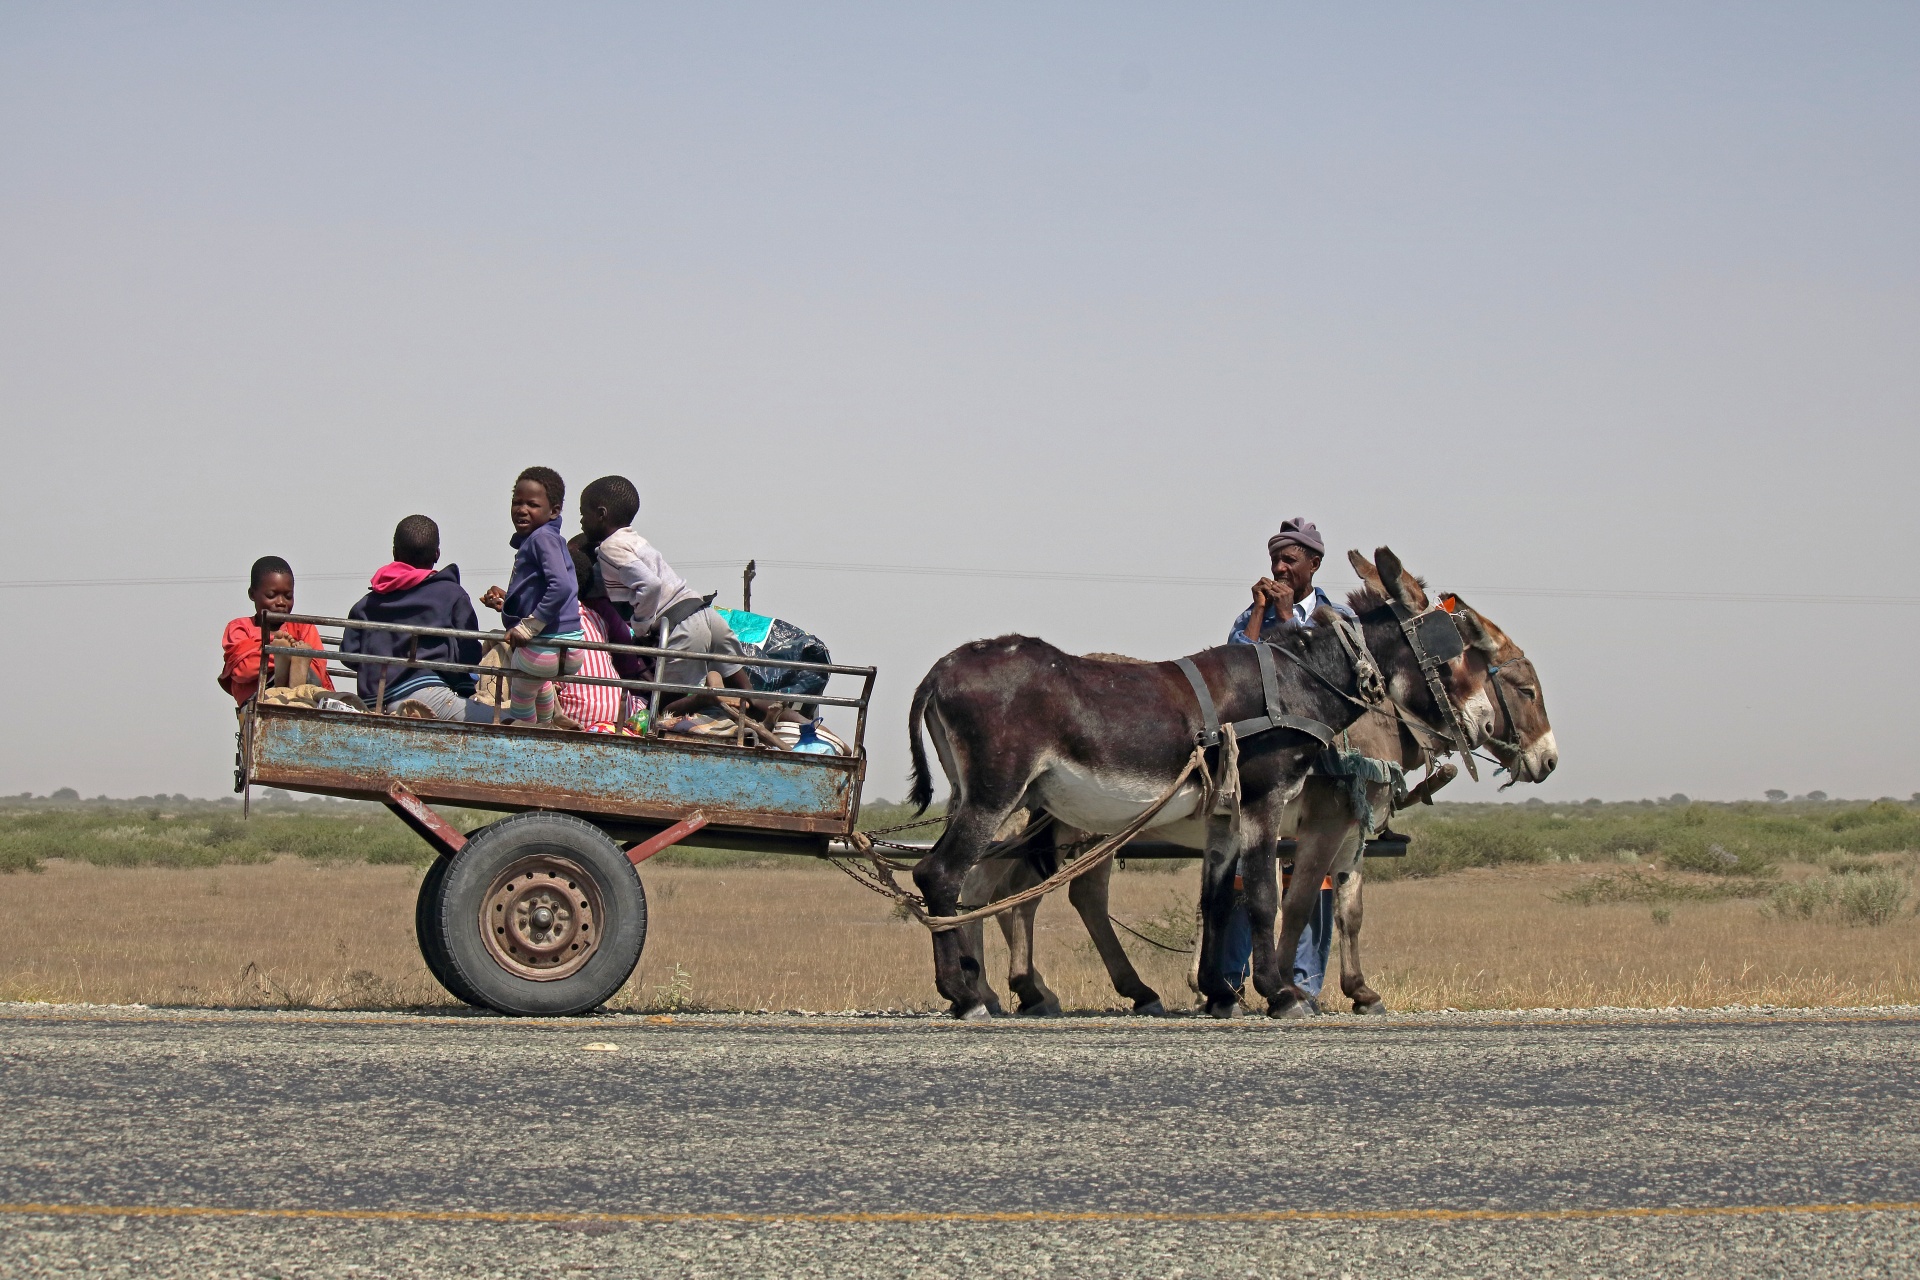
1258, 1216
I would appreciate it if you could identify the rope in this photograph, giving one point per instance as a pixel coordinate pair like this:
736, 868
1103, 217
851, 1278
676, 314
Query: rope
1152, 942
881, 879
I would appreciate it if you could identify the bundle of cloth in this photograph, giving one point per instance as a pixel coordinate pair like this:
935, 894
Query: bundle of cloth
762, 636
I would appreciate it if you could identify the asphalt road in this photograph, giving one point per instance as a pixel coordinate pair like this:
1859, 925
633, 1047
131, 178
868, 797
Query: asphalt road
161, 1144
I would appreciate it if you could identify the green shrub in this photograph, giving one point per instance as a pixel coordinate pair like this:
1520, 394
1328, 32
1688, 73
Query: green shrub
1879, 811
1638, 886
13, 858
1736, 858
1742, 840
1802, 901
1869, 898
198, 834
1442, 846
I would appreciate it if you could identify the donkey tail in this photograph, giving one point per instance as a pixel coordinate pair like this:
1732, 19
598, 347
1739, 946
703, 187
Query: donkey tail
922, 794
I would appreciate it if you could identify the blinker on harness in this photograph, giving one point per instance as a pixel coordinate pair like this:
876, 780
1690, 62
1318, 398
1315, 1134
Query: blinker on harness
1435, 642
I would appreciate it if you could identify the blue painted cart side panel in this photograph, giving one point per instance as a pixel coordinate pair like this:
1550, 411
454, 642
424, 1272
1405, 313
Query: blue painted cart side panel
642, 778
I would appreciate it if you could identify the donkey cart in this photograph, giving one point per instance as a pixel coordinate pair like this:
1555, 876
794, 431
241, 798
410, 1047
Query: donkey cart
542, 912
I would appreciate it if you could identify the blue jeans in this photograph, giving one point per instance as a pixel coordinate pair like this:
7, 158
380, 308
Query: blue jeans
1309, 959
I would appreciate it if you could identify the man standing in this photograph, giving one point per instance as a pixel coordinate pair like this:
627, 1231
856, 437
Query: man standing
1287, 598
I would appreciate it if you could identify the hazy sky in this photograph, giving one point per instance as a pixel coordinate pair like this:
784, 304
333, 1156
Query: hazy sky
1571, 305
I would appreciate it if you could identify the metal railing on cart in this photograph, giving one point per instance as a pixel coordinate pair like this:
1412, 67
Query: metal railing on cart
655, 691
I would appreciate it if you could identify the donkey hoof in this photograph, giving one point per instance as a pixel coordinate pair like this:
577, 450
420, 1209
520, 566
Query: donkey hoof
979, 1013
1290, 1009
992, 1006
1370, 1007
1150, 1008
1223, 1009
1048, 1008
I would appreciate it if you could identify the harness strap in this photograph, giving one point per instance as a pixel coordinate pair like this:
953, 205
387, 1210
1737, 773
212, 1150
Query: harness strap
1315, 729
1421, 629
1366, 674
1300, 662
1269, 677
1506, 712
1275, 718
1510, 744
1210, 733
1270, 695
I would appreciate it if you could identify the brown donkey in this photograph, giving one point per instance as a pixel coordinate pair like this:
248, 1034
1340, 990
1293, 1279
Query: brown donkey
1021, 725
1499, 692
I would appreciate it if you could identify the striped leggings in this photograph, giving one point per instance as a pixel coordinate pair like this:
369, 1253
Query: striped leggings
530, 688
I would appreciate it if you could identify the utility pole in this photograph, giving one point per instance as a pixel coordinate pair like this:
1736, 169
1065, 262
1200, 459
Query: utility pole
746, 587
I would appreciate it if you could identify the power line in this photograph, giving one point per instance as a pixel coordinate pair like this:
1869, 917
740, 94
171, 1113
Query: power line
1041, 575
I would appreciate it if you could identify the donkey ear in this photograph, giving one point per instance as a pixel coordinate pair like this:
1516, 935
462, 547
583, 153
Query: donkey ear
1404, 586
1480, 632
1477, 631
1369, 576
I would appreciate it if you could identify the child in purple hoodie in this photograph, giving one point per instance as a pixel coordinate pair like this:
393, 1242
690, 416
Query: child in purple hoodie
541, 602
411, 592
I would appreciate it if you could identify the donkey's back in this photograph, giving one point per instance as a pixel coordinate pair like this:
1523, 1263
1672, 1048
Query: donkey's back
1014, 713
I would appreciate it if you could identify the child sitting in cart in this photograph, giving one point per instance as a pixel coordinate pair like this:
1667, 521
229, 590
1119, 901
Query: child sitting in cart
593, 706
647, 590
411, 592
541, 602
271, 589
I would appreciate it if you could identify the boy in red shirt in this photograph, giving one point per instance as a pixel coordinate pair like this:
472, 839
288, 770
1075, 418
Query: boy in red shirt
271, 590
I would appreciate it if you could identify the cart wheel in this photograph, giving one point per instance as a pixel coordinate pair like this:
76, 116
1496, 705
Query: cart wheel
426, 930
541, 914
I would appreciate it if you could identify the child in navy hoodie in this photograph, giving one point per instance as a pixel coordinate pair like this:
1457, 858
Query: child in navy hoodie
541, 602
411, 593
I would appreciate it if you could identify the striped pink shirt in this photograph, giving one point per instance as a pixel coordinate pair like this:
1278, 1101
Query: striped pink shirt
591, 703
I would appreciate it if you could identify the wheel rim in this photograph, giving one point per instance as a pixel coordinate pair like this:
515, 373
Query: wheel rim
541, 918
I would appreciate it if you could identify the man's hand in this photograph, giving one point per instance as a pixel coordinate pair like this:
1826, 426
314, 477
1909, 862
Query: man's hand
495, 599
1276, 593
1266, 592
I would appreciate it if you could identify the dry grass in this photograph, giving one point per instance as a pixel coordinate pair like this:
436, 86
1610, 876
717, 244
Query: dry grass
1497, 940
292, 933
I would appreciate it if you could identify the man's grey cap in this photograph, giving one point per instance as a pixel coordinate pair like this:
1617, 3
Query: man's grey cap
1300, 531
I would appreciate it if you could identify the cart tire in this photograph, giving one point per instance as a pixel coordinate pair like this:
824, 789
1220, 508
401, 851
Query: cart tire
541, 915
426, 931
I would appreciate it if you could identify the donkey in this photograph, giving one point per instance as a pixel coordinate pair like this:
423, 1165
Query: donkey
1020, 725
1499, 691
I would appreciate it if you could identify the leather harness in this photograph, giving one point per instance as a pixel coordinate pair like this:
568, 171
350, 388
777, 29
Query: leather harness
1435, 642
1275, 718
1512, 745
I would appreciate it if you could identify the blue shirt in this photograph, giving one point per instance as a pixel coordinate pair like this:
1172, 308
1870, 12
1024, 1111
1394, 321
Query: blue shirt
1301, 616
543, 585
